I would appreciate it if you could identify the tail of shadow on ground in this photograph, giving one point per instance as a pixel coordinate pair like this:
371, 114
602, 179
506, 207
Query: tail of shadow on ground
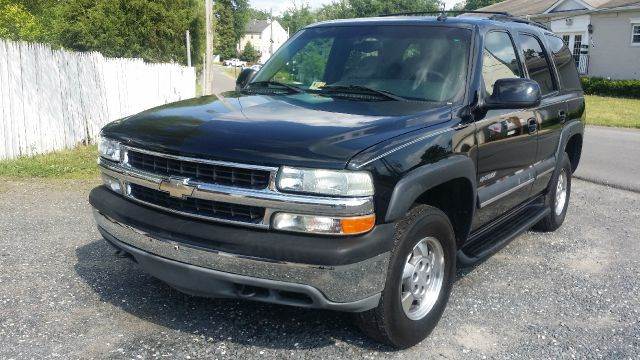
120, 282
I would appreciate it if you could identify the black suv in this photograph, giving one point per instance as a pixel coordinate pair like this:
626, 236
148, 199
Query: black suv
355, 171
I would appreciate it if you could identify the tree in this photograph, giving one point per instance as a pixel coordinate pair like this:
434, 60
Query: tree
365, 8
18, 23
250, 54
240, 18
297, 16
225, 41
151, 29
477, 4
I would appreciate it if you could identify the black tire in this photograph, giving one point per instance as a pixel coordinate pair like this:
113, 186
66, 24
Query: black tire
388, 323
554, 220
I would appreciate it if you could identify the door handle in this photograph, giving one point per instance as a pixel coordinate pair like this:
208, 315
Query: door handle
562, 115
532, 125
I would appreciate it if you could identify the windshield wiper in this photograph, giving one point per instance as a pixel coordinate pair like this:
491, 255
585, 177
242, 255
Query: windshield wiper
361, 89
276, 83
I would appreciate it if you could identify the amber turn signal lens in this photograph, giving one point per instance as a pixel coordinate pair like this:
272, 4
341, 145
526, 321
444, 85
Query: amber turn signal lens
357, 225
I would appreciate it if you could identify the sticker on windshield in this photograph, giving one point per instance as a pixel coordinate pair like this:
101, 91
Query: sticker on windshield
317, 85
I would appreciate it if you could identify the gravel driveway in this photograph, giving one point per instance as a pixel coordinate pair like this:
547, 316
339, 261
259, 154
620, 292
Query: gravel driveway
573, 293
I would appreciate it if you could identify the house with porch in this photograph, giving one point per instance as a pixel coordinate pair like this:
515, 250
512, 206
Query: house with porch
604, 35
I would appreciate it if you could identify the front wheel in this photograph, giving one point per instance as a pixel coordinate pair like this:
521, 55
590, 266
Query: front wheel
419, 279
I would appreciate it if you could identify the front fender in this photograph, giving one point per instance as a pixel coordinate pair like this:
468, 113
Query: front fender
419, 180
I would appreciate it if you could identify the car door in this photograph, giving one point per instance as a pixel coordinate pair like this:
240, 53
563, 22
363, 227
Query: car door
507, 139
552, 112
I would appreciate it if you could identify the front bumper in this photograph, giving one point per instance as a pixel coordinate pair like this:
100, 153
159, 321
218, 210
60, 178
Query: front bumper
200, 270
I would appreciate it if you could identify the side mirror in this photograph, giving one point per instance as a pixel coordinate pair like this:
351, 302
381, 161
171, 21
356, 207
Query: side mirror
514, 94
246, 75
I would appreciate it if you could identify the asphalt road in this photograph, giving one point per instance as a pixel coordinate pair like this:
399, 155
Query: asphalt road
221, 81
63, 293
611, 156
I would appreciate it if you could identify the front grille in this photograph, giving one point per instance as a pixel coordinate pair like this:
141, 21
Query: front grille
200, 207
206, 173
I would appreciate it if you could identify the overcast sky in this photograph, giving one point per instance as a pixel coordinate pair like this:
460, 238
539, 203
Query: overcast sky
281, 5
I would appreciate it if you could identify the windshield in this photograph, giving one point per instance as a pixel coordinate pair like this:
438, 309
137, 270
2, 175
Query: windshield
425, 63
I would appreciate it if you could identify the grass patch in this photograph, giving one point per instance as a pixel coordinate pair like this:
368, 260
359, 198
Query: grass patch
78, 163
609, 111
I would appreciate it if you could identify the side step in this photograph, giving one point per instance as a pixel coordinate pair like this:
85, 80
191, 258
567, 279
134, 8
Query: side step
488, 243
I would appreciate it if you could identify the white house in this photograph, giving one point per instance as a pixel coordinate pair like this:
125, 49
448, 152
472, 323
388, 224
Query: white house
604, 35
266, 36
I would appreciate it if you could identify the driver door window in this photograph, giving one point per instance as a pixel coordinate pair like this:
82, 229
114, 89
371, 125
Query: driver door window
499, 60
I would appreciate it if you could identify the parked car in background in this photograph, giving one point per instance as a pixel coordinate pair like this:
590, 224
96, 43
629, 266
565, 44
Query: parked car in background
365, 162
234, 63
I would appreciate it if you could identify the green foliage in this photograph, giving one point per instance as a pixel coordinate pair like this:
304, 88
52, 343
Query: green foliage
614, 88
365, 8
257, 14
225, 41
477, 4
250, 54
297, 17
240, 18
152, 30
18, 23
301, 15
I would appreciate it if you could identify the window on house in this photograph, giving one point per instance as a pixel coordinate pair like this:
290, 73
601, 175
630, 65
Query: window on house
499, 60
636, 34
577, 48
537, 63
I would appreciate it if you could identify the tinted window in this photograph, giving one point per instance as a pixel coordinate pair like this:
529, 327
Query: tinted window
499, 60
536, 63
420, 63
564, 62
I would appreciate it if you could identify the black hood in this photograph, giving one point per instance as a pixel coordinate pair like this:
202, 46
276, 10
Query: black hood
300, 130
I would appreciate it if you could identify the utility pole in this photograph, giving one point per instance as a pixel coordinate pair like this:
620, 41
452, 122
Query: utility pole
208, 60
271, 38
188, 36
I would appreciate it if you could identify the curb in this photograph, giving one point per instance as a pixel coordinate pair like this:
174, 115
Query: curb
596, 181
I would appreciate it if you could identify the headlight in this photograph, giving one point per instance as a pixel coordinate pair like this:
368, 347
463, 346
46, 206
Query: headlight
325, 182
324, 224
109, 149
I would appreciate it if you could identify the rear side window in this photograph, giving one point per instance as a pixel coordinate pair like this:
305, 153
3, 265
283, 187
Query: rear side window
565, 63
499, 60
537, 64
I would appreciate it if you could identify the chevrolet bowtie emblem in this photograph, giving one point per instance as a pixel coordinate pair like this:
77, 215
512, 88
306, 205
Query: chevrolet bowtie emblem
177, 187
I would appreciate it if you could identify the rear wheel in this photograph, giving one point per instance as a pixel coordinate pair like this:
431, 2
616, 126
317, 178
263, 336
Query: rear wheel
557, 197
419, 279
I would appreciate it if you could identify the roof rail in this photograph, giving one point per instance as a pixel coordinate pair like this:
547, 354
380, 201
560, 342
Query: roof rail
519, 20
444, 12
495, 15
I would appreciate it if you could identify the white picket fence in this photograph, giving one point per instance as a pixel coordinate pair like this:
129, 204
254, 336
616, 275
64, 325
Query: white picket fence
56, 99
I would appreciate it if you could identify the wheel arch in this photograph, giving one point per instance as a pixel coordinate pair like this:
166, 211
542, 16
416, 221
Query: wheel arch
448, 185
571, 141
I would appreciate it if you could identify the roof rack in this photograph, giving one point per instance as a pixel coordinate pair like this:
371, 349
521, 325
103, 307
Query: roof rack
444, 12
519, 20
495, 15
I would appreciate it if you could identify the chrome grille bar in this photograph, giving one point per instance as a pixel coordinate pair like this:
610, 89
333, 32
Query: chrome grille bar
269, 198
